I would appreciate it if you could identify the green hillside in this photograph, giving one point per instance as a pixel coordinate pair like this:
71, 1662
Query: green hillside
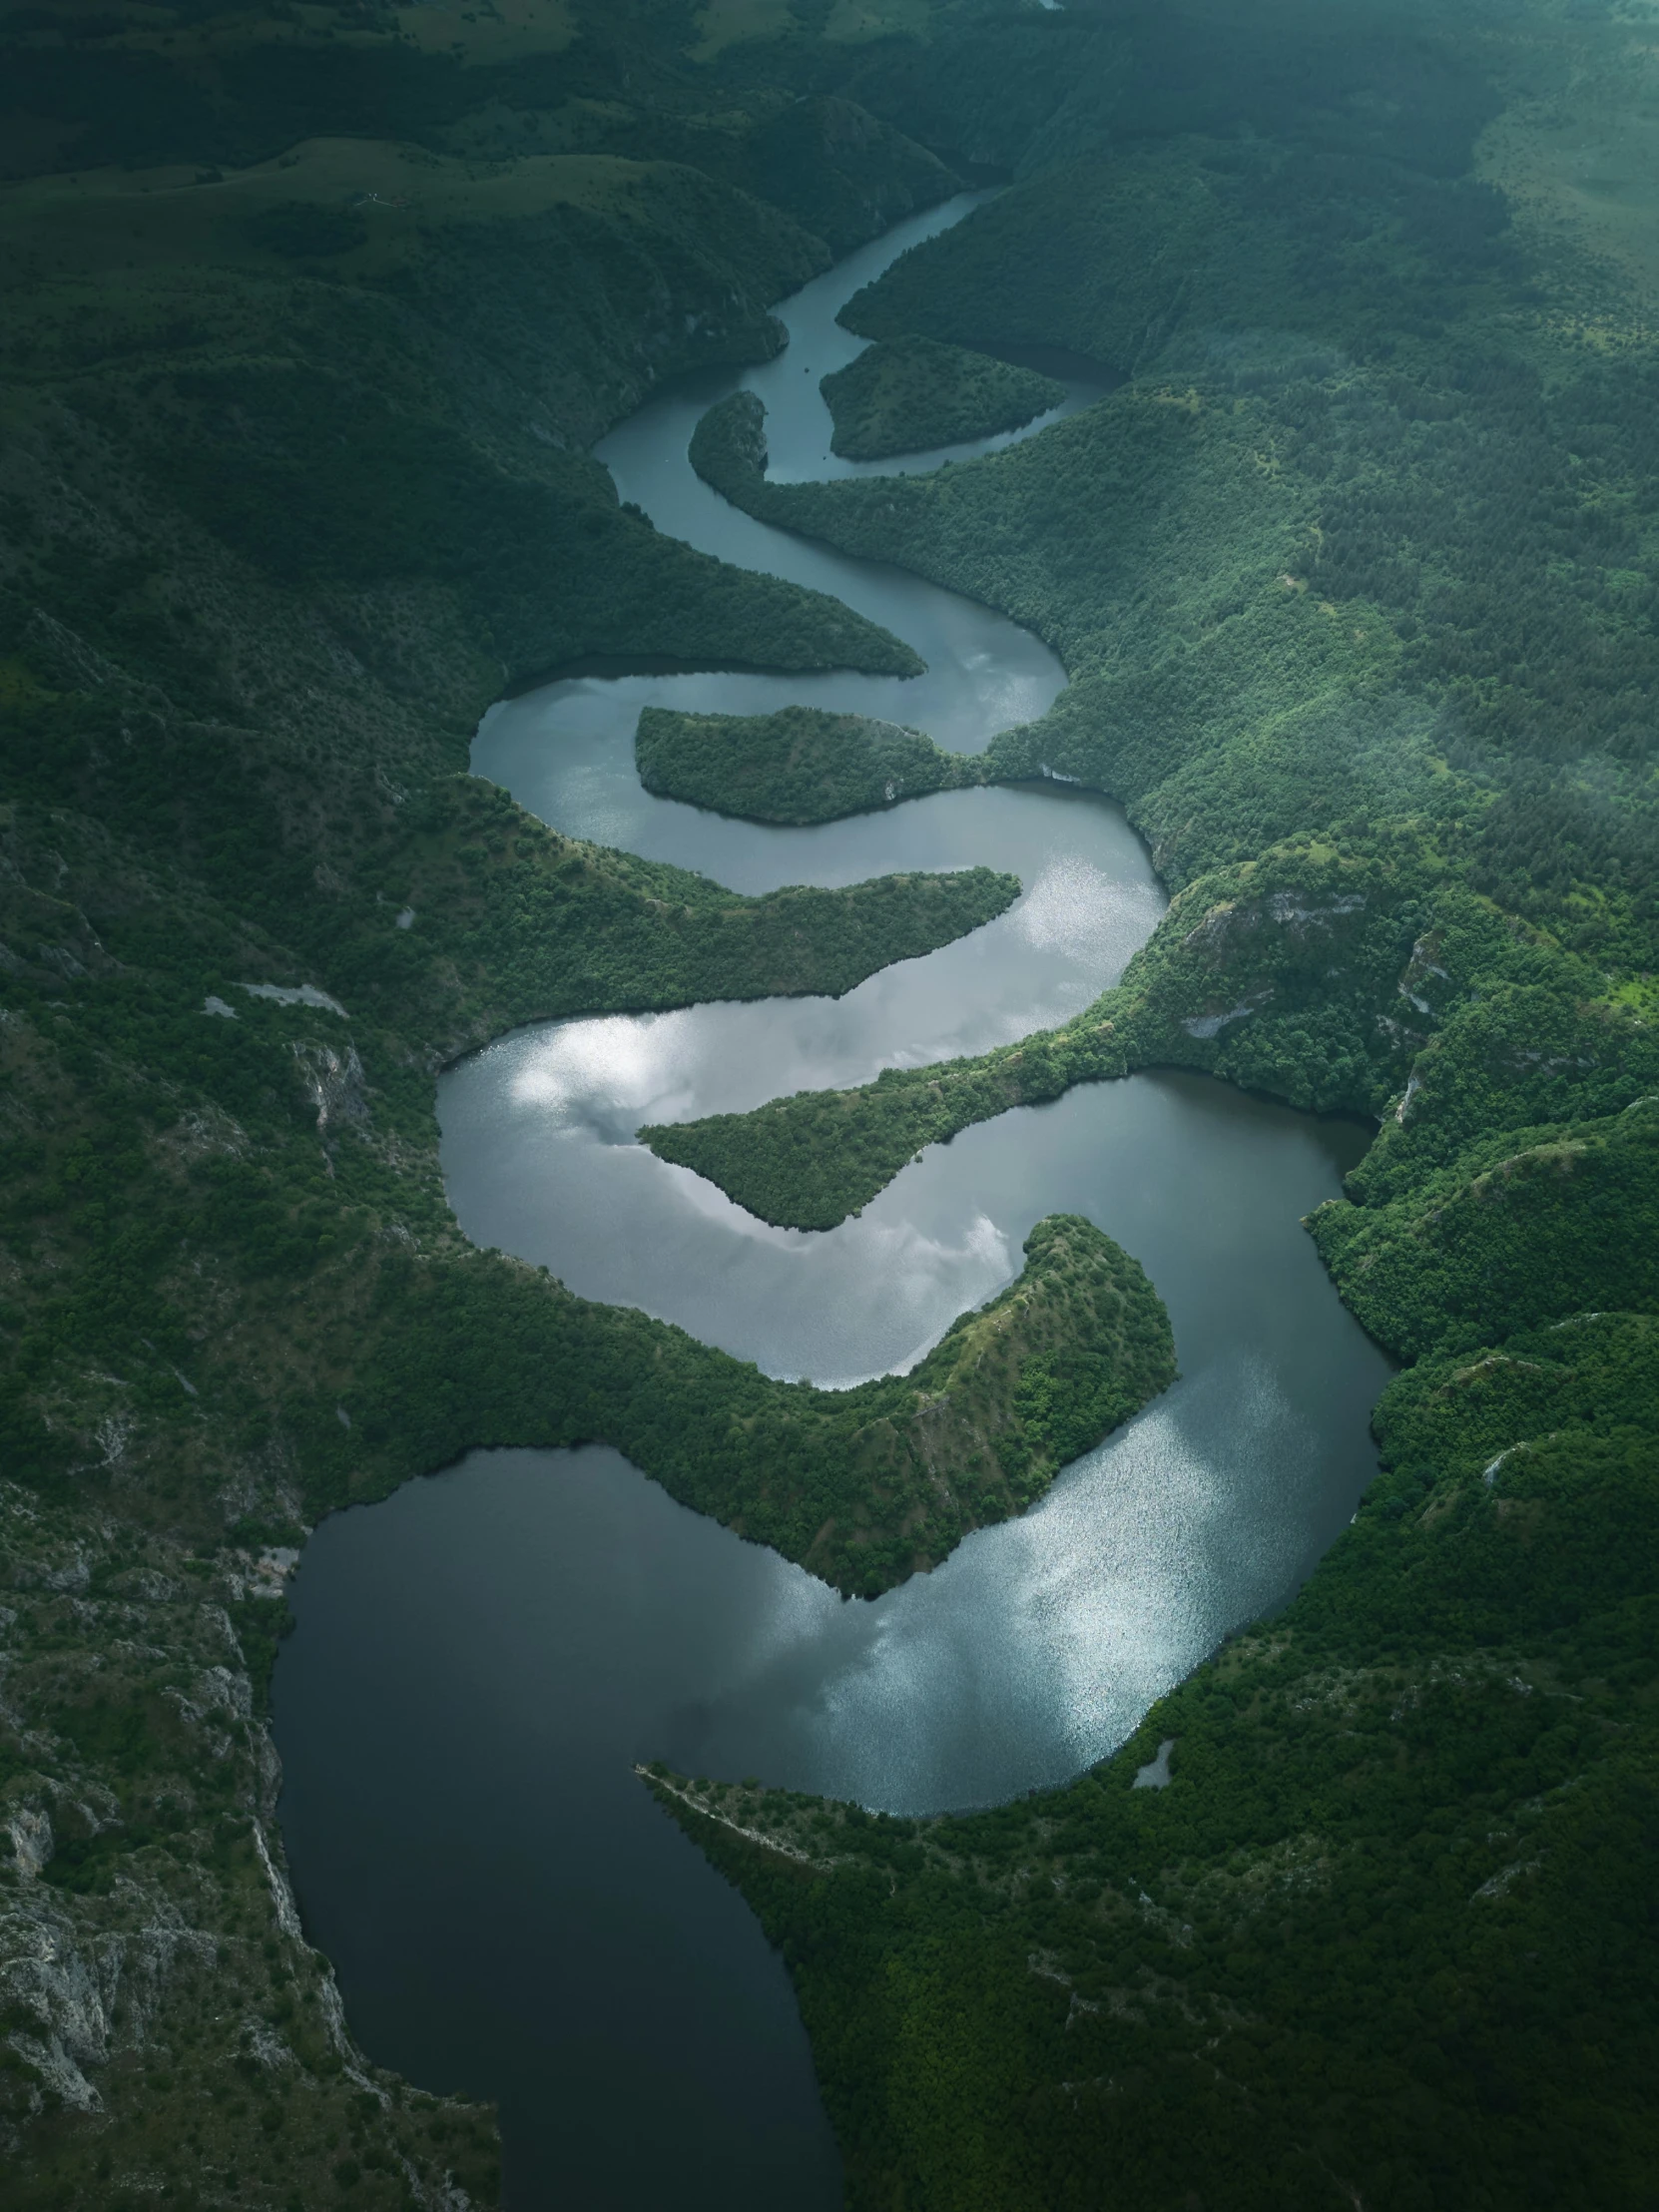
912, 394
798, 765
309, 319
1352, 579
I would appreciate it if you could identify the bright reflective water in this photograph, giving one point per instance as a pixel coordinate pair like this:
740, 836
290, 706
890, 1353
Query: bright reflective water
480, 1659
566, 752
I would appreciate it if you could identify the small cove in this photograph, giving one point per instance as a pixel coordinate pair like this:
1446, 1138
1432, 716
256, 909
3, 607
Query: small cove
480, 1659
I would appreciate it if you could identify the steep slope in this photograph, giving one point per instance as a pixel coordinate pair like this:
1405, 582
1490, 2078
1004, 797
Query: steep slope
293, 409
1353, 580
308, 325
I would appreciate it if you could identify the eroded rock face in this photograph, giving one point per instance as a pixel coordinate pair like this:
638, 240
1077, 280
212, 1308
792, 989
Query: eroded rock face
30, 1828
64, 1989
148, 1933
335, 1082
60, 1990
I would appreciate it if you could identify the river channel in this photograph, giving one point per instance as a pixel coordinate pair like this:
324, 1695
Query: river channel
479, 1659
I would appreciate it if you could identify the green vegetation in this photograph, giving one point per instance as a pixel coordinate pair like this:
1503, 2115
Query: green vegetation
144, 1798
808, 1161
308, 230
1282, 974
864, 1486
412, 501
293, 483
1387, 1932
913, 394
799, 764
1356, 646
843, 176
548, 925
1353, 579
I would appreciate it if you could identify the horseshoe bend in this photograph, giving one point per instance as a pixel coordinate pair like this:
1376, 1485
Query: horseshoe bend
827, 1366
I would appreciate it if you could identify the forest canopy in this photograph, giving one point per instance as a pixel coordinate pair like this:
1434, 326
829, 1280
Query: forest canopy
312, 318
913, 394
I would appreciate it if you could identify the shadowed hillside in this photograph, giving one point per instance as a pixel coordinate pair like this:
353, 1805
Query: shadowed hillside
311, 316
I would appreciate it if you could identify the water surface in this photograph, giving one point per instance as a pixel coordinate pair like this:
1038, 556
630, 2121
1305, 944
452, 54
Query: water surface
480, 1659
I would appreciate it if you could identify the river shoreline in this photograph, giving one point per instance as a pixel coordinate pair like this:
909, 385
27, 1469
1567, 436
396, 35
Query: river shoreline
814, 1702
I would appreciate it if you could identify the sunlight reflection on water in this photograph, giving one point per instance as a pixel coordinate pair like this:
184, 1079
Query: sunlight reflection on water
1035, 1648
481, 1657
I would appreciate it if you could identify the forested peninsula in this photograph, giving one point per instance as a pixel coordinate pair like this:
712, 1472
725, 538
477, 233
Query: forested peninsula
798, 765
1356, 600
910, 394
312, 316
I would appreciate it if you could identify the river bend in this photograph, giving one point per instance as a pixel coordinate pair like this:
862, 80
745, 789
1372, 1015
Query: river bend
480, 1658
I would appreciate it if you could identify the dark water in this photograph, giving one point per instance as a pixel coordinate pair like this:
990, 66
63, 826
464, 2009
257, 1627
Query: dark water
480, 1659
477, 1664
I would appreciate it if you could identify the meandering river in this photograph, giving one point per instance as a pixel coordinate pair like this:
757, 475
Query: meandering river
479, 1659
